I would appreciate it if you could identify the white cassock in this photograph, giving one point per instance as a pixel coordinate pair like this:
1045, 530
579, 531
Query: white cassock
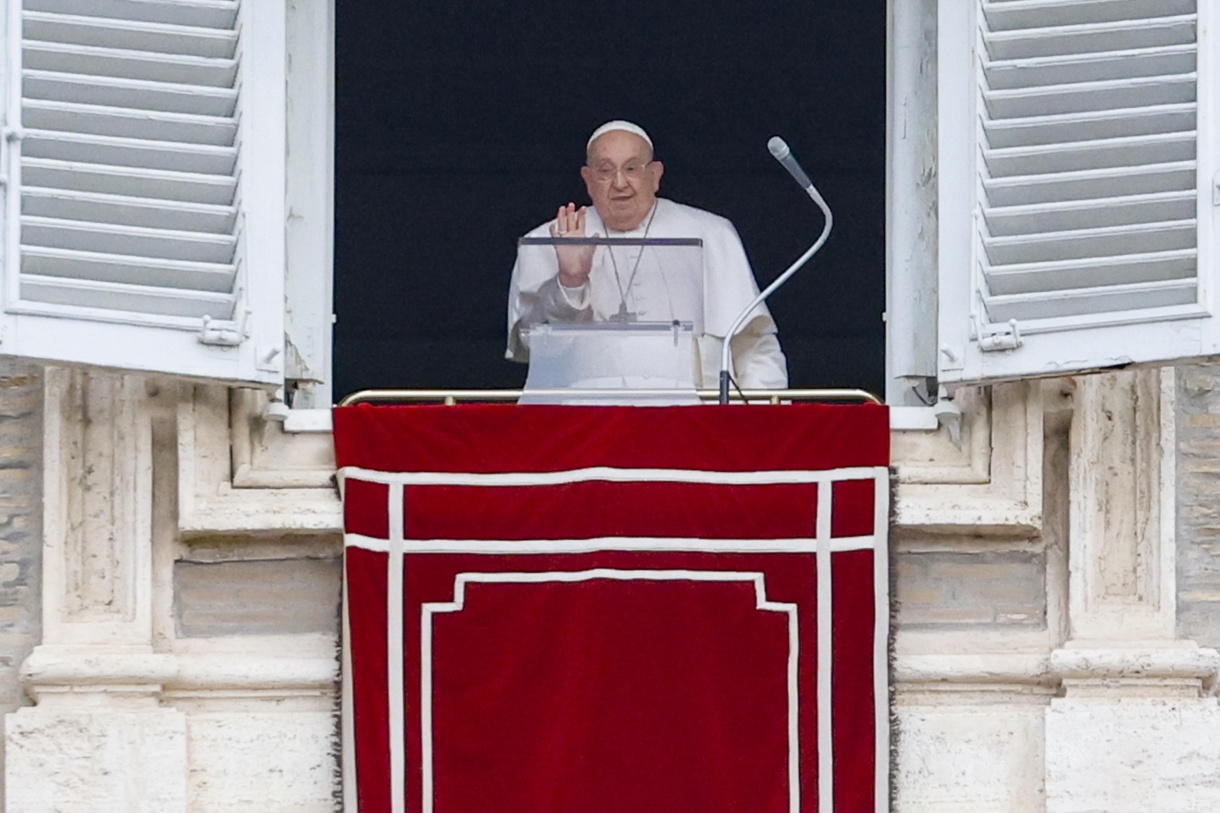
624, 277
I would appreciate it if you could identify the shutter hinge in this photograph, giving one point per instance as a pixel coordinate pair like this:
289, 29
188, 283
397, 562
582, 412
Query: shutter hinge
223, 334
10, 136
1005, 336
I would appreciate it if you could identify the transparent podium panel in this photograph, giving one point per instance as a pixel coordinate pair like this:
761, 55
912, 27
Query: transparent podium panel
607, 363
629, 326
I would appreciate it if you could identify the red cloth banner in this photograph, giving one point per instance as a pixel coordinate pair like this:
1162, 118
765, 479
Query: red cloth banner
604, 609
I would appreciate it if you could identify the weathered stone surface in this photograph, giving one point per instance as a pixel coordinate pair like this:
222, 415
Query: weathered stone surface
983, 588
267, 597
261, 759
966, 757
20, 526
105, 762
1132, 756
1198, 501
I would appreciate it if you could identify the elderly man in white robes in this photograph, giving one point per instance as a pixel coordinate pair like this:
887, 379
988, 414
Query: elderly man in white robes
622, 179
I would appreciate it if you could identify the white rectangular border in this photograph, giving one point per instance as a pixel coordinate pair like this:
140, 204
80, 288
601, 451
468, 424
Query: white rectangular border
429, 609
610, 474
821, 546
613, 543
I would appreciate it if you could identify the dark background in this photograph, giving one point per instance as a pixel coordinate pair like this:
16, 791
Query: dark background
460, 125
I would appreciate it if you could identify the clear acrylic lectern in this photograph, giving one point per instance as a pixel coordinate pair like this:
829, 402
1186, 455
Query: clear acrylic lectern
627, 336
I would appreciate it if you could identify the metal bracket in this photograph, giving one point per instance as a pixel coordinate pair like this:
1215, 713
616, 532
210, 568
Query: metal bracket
1000, 337
11, 135
948, 415
276, 409
269, 359
223, 334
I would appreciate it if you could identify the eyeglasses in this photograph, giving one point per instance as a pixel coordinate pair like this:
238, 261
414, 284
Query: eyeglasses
633, 170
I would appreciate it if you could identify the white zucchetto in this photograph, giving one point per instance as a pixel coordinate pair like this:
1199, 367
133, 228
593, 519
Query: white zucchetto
618, 124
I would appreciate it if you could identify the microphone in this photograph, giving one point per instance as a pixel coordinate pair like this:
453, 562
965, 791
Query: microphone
779, 149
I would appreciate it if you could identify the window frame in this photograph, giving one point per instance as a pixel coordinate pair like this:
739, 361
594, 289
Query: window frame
1063, 345
248, 350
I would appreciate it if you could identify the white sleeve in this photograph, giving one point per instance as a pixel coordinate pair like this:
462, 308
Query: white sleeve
758, 361
578, 297
535, 296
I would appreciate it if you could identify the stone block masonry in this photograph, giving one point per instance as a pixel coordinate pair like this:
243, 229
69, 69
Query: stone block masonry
20, 526
1198, 498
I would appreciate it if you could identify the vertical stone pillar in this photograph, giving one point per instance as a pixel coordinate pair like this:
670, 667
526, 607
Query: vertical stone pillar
97, 739
1121, 578
1134, 727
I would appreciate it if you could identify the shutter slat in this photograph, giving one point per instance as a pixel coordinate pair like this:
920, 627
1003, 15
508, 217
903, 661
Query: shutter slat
1091, 67
1091, 126
116, 121
119, 63
130, 93
131, 152
1089, 214
125, 211
1140, 296
167, 185
139, 242
1078, 39
1085, 155
1016, 14
132, 298
129, 35
1093, 271
1084, 97
1084, 243
1110, 182
92, 265
203, 13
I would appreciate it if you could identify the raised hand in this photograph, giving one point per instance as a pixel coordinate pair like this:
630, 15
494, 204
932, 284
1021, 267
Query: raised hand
576, 261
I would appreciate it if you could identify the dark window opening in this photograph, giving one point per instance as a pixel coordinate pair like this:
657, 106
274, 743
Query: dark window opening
461, 125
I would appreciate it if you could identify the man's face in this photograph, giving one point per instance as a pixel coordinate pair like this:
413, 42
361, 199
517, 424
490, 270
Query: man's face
622, 179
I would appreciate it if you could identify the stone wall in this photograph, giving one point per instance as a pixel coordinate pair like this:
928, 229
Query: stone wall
1198, 497
20, 526
954, 590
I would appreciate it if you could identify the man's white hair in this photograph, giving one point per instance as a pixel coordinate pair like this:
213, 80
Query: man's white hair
618, 124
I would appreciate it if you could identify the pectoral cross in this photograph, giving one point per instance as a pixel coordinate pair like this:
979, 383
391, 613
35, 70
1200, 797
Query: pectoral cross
623, 315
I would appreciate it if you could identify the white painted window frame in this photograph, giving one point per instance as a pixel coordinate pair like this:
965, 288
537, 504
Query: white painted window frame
309, 268
1051, 346
95, 337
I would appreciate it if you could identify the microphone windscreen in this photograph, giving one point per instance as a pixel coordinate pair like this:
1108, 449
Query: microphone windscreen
778, 147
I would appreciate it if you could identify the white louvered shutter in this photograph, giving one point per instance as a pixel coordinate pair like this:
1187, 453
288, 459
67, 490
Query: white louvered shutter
1076, 184
144, 209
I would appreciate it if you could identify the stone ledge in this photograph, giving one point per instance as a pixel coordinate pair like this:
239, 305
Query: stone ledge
240, 475
971, 671
989, 483
63, 671
83, 667
221, 672
1171, 664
